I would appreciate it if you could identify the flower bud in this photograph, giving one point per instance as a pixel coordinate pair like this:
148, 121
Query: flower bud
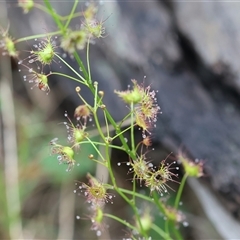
46, 54
174, 215
26, 5
74, 40
193, 169
146, 221
131, 96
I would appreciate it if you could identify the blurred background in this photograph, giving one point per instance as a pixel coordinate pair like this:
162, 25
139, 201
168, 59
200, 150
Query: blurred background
189, 52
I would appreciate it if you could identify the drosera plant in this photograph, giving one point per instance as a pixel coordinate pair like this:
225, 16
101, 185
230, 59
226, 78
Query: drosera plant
143, 113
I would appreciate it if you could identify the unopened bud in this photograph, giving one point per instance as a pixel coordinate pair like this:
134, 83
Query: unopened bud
101, 93
78, 89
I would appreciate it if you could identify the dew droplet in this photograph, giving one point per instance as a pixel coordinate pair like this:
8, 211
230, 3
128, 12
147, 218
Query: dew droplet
119, 164
77, 217
185, 224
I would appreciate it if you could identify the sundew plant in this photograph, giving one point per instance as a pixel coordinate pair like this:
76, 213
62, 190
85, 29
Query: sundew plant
143, 113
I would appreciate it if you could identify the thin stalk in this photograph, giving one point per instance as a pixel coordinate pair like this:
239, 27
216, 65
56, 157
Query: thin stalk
84, 101
54, 15
106, 122
80, 63
88, 63
70, 17
125, 130
95, 97
67, 76
103, 144
134, 191
136, 194
72, 69
160, 231
126, 117
180, 190
42, 35
177, 234
121, 221
98, 126
132, 129
62, 18
167, 227
131, 204
41, 7
158, 203
161, 207
77, 14
96, 149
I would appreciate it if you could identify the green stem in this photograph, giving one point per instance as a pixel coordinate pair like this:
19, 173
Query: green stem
132, 129
96, 149
84, 80
125, 130
162, 209
121, 221
54, 15
98, 126
158, 203
67, 76
96, 97
177, 233
41, 7
180, 190
79, 61
77, 14
85, 102
71, 14
106, 122
167, 227
131, 204
134, 191
103, 144
42, 35
160, 232
136, 194
126, 117
88, 63
62, 18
